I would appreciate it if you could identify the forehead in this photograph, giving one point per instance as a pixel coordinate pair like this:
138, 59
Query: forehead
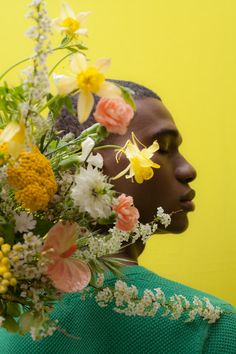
152, 118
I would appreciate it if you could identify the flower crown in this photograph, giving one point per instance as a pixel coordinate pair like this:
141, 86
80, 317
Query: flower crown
55, 199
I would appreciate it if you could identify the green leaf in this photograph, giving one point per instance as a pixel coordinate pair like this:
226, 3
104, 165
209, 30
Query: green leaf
127, 94
68, 162
66, 40
8, 232
81, 46
42, 227
113, 268
10, 324
13, 309
72, 49
69, 105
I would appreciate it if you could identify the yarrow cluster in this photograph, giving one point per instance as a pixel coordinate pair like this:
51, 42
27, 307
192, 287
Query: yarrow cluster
59, 212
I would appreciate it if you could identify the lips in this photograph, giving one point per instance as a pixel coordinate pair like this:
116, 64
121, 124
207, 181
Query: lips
186, 201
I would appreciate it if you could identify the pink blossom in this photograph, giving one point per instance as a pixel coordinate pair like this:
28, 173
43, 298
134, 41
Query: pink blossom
127, 214
67, 274
114, 113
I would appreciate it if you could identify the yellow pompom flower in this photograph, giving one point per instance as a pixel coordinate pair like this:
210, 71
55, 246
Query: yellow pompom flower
140, 166
88, 80
6, 277
3, 153
33, 179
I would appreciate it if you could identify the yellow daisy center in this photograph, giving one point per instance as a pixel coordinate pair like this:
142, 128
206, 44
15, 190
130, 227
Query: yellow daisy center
90, 80
71, 24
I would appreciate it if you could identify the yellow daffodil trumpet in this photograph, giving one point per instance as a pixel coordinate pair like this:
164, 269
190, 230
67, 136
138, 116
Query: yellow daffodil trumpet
88, 80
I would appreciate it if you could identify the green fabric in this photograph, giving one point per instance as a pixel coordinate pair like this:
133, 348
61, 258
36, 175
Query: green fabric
104, 331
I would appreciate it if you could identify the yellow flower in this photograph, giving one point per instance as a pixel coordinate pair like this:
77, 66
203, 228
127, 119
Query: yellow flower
33, 178
70, 23
6, 277
14, 135
140, 166
88, 80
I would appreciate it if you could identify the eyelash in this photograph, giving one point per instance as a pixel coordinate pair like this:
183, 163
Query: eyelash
163, 151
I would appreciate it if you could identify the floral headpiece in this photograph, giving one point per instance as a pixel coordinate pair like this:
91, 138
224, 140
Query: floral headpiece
54, 196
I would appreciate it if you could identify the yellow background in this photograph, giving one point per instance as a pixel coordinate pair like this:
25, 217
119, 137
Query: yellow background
185, 51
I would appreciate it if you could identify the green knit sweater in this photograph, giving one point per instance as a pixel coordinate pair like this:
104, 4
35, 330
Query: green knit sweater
101, 330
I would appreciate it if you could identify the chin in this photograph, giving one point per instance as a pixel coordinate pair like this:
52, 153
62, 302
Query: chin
179, 223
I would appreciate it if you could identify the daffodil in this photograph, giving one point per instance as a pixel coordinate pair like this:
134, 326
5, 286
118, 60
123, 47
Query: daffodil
70, 23
88, 80
140, 166
14, 135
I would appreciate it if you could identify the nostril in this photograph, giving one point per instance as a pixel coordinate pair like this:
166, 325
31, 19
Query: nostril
185, 172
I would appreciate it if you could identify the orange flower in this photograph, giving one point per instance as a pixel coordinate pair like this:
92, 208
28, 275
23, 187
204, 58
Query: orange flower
114, 113
67, 274
127, 214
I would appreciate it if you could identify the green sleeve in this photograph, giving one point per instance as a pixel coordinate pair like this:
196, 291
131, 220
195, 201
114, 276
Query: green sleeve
222, 337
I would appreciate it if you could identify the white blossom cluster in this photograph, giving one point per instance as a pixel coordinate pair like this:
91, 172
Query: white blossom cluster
128, 301
24, 258
36, 83
162, 217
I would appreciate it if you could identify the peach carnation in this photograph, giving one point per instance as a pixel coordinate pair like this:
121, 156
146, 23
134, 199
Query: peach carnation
127, 214
114, 113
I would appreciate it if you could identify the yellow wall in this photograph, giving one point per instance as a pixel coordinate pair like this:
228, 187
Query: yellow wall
185, 50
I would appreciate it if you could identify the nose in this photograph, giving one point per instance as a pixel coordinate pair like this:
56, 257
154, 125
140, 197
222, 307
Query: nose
184, 171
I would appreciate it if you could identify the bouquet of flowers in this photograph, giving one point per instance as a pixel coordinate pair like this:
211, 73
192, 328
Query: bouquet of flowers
61, 222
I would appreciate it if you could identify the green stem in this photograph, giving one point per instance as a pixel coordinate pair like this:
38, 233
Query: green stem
107, 147
48, 103
14, 65
59, 62
27, 59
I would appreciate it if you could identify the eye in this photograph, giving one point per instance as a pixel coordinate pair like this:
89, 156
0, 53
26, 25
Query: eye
164, 148
163, 151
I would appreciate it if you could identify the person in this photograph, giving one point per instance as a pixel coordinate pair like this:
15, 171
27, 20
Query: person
102, 330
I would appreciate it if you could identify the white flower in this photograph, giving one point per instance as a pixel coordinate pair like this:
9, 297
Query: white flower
24, 222
164, 218
2, 319
86, 155
91, 193
70, 23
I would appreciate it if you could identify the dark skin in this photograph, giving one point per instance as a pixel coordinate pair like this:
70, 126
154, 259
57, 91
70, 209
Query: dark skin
169, 187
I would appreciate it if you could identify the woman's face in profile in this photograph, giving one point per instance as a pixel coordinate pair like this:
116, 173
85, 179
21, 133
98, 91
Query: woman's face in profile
169, 187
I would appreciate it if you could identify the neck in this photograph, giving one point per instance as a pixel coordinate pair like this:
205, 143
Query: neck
131, 253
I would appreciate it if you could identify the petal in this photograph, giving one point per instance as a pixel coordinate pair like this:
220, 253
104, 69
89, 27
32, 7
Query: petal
65, 84
122, 173
108, 89
152, 148
96, 160
56, 23
9, 132
70, 275
131, 150
82, 31
67, 11
87, 147
78, 63
85, 105
60, 237
82, 17
102, 65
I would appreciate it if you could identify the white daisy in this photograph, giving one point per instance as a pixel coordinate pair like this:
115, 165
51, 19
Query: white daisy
91, 193
24, 222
